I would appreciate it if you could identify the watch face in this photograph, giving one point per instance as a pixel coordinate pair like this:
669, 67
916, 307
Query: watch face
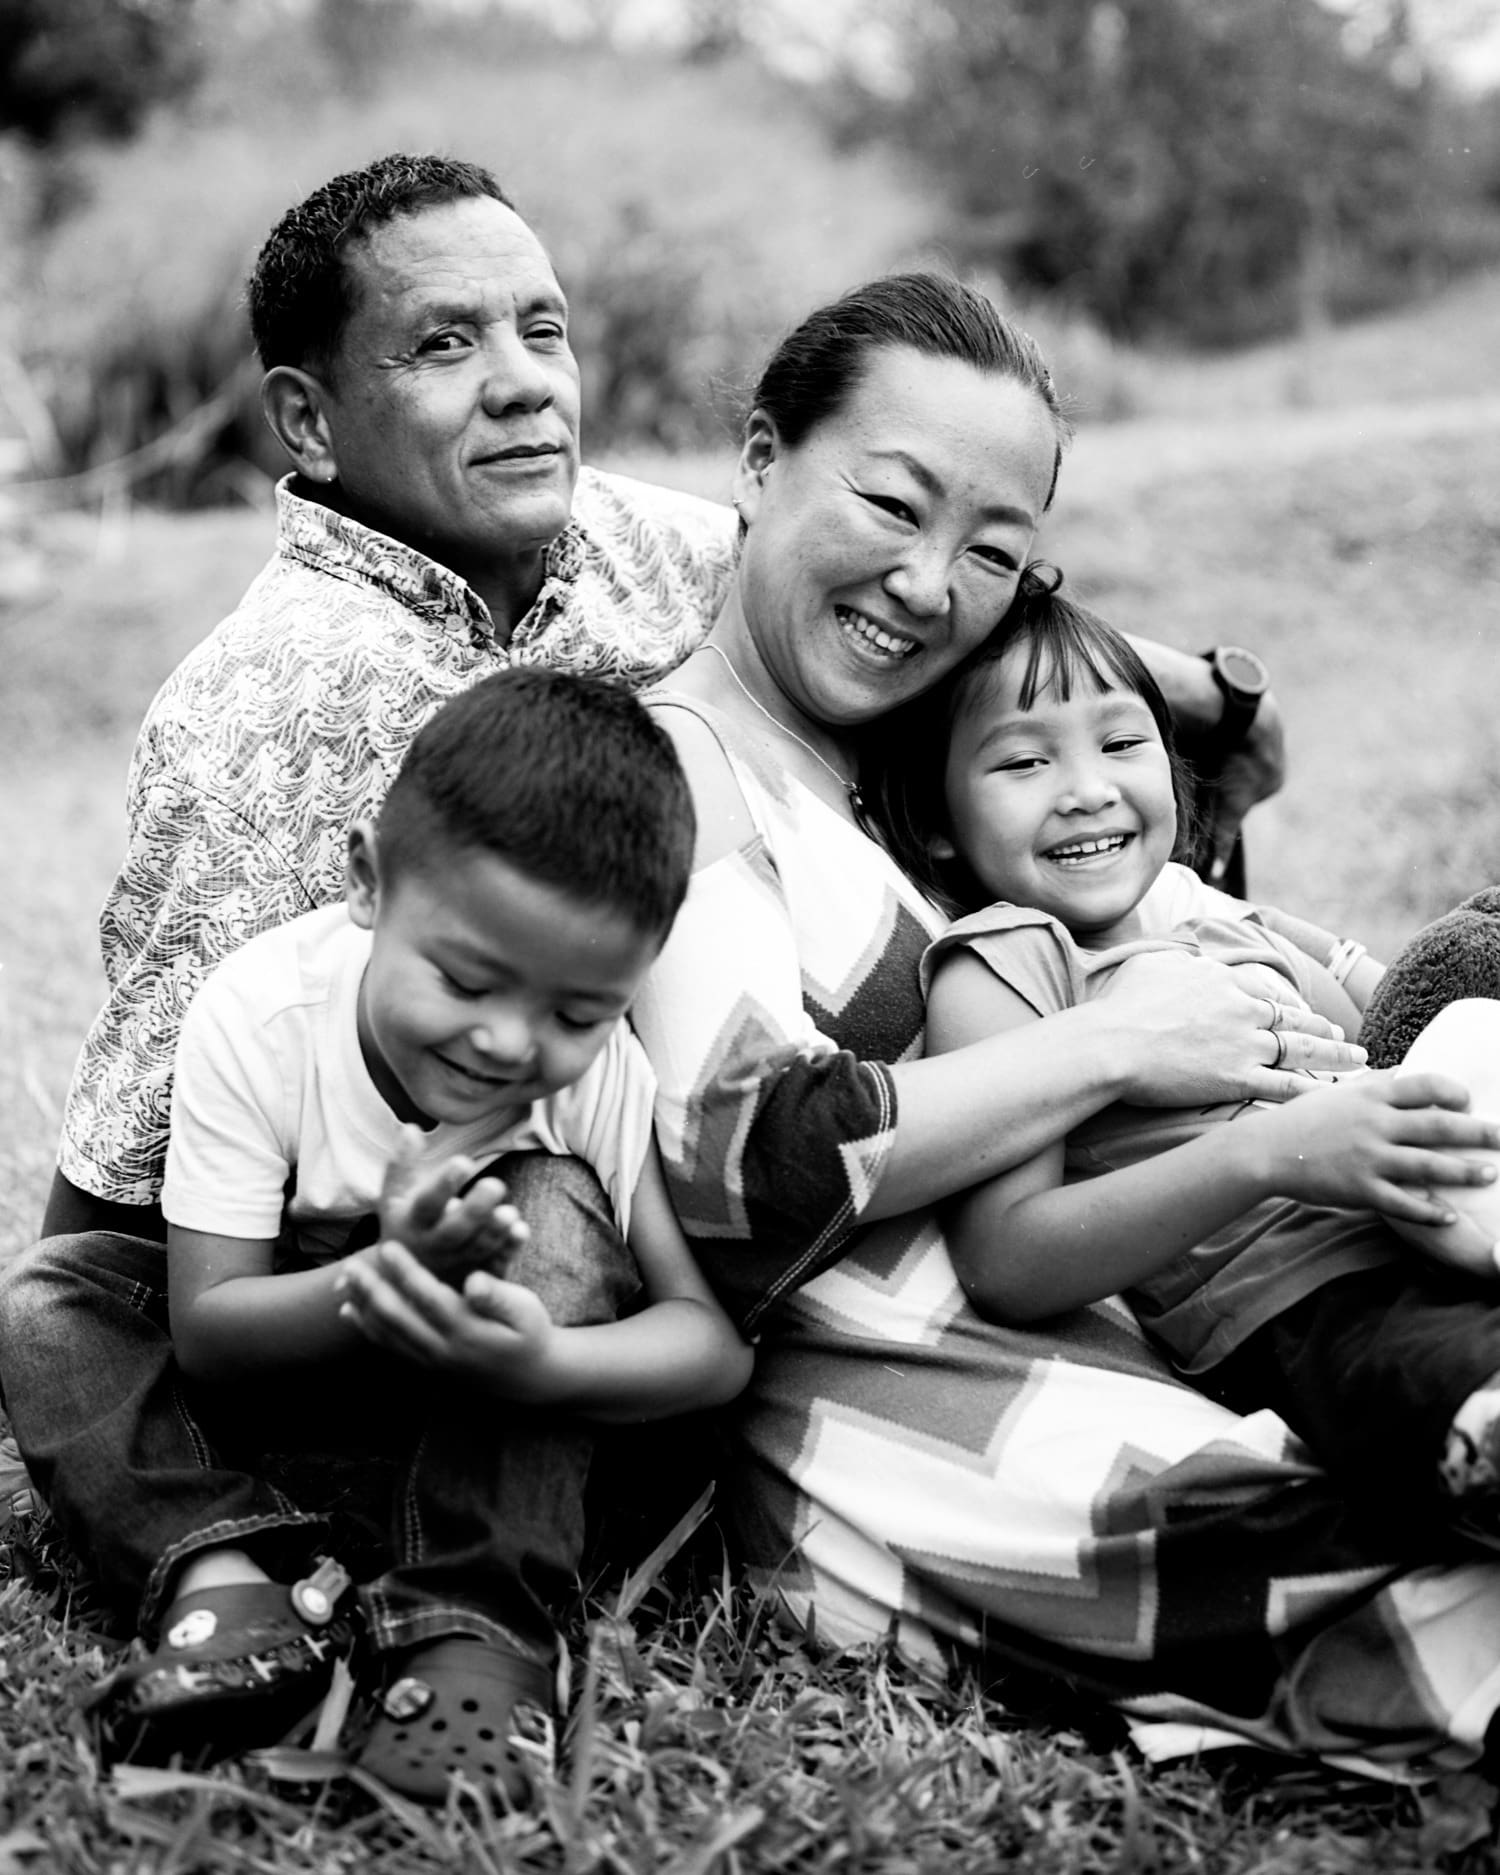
1243, 670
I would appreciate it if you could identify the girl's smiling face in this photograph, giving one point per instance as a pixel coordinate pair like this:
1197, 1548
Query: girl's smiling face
1064, 804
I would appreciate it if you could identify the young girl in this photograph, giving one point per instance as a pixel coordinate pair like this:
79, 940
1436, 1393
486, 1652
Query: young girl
1245, 1237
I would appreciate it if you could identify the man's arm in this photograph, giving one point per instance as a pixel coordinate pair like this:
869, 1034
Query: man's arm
1250, 773
198, 879
71, 1211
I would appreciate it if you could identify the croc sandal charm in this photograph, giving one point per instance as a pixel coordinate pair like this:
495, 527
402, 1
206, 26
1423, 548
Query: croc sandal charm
234, 1668
316, 1596
461, 1707
409, 1698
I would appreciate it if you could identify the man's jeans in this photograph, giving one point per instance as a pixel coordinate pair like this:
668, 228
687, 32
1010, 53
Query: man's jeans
469, 1510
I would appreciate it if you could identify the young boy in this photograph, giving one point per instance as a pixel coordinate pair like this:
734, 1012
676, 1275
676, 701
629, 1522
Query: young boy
361, 1065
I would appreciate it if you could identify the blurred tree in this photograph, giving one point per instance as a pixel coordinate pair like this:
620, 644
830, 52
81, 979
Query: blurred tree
713, 29
1214, 168
69, 66
361, 38
636, 327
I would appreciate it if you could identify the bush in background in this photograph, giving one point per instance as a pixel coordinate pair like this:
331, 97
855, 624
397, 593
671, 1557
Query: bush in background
75, 66
1209, 171
693, 211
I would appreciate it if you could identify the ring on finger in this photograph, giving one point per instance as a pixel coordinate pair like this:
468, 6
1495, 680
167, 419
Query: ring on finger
1274, 1024
1280, 1047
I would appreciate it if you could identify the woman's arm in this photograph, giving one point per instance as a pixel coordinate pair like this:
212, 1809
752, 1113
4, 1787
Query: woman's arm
1173, 1031
778, 1143
1027, 1246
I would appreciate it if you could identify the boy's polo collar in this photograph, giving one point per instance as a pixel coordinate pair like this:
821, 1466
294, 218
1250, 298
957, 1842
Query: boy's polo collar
333, 543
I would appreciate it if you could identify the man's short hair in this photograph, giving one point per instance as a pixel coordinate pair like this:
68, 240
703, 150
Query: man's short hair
566, 778
300, 293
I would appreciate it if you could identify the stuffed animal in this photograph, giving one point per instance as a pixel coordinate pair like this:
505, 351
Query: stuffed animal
1456, 956
1437, 1008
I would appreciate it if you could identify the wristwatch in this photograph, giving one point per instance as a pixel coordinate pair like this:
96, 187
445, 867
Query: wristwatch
1243, 680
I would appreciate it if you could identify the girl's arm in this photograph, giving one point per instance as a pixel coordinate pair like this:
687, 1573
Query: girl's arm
680, 1352
1341, 967
1026, 1246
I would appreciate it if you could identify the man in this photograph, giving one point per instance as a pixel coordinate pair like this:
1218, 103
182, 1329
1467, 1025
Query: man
436, 526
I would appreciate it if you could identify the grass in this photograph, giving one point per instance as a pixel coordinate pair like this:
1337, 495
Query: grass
1356, 543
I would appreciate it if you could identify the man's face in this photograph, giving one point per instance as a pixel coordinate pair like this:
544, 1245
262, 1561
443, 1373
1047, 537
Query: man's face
452, 402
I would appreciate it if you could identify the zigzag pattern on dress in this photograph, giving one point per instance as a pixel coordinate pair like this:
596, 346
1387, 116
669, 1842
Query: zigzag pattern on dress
1054, 1495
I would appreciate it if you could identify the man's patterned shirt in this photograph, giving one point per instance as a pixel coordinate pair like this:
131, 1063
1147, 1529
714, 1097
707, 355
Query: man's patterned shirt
288, 722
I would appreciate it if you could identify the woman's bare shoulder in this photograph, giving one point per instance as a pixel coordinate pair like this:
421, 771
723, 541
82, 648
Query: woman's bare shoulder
724, 819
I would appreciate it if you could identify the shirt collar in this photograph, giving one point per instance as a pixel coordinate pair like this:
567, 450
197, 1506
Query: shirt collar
564, 564
333, 543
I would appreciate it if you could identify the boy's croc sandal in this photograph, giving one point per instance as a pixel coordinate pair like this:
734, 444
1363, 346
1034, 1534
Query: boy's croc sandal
234, 1668
454, 1707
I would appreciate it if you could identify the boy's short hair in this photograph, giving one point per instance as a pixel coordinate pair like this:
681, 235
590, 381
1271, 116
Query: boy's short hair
566, 778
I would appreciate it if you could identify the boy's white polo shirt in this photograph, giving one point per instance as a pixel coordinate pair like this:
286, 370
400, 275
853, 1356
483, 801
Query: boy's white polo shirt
274, 1110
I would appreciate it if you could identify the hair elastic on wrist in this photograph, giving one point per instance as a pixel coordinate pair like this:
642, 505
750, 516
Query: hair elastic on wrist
1343, 957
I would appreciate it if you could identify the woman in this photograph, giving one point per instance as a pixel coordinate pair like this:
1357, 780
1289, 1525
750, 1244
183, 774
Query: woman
1056, 1494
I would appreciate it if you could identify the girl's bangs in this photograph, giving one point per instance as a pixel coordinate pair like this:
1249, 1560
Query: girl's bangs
1063, 656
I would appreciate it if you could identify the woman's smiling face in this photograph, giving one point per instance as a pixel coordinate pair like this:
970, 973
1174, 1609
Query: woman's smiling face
888, 542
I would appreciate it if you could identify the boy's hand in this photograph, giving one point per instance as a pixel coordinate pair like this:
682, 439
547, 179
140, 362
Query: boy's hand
491, 1334
1381, 1141
448, 1230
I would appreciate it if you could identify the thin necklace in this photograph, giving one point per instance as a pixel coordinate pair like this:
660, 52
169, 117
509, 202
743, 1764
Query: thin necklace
851, 788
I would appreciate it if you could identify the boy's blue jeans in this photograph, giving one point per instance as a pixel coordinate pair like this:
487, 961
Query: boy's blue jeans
469, 1510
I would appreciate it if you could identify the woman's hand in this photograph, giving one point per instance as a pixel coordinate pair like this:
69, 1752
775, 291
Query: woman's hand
1195, 1035
1380, 1142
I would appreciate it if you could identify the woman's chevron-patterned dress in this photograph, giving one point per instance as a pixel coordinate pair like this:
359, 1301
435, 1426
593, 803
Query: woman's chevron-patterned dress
1056, 1496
